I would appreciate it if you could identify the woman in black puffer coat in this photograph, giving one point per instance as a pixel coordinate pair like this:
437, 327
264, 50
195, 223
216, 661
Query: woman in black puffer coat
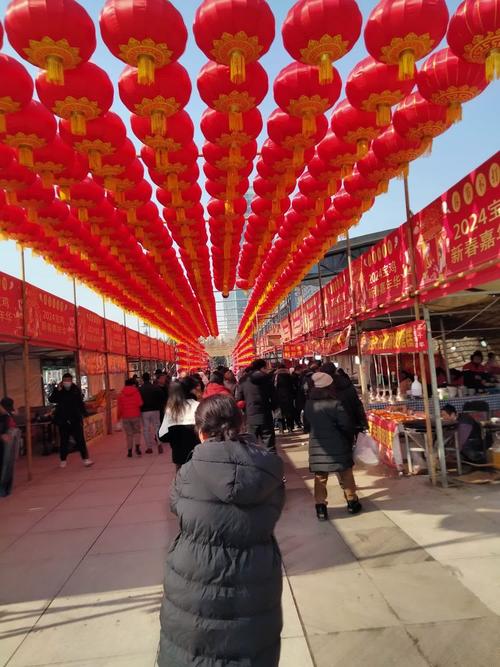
223, 581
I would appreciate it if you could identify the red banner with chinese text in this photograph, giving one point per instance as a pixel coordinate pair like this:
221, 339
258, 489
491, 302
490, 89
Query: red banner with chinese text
91, 362
459, 233
293, 350
313, 314
115, 337
144, 346
296, 322
90, 330
154, 348
383, 431
132, 338
117, 363
50, 319
285, 330
406, 338
336, 343
11, 307
338, 303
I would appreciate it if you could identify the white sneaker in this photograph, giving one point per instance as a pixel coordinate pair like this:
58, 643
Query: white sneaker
87, 463
63, 464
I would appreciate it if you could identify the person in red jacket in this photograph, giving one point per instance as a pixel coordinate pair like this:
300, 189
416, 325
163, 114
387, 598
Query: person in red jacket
216, 386
129, 411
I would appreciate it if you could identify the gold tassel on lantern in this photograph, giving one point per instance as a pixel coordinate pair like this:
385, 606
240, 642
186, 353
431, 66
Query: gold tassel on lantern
383, 117
332, 186
406, 65
145, 70
83, 214
427, 145
3, 126
110, 183
11, 197
308, 124
275, 207
131, 216
382, 187
95, 160
362, 146
119, 197
235, 121
64, 192
325, 69
47, 178
172, 182
181, 215
492, 65
319, 206
298, 156
55, 70
176, 198
32, 214
237, 67
159, 123
228, 208
26, 156
161, 156
234, 154
78, 124
454, 112
345, 170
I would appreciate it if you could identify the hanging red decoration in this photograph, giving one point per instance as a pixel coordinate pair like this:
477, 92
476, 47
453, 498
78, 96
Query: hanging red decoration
84, 196
28, 129
330, 176
337, 154
87, 93
286, 131
400, 33
378, 171
374, 86
115, 163
419, 120
220, 93
34, 197
147, 34
298, 92
52, 160
448, 80
317, 33
15, 177
16, 88
55, 35
103, 136
180, 133
73, 173
355, 126
215, 127
234, 33
396, 150
133, 198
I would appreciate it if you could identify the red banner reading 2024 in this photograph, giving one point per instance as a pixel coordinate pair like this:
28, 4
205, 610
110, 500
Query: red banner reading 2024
459, 232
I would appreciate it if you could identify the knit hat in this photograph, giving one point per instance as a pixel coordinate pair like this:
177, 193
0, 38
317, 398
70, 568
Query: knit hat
321, 380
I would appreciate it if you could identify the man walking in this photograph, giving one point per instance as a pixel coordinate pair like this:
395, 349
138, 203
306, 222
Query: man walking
152, 403
69, 413
257, 391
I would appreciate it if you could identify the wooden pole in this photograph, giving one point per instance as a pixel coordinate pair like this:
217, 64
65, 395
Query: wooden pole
26, 371
77, 336
107, 386
445, 352
322, 297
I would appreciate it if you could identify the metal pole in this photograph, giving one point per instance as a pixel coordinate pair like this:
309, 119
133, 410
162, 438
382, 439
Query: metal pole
445, 352
107, 386
26, 371
435, 401
322, 297
77, 336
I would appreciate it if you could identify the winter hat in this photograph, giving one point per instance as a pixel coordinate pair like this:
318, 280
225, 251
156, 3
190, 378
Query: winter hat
321, 380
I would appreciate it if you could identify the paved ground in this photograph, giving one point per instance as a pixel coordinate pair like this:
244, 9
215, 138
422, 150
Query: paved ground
413, 581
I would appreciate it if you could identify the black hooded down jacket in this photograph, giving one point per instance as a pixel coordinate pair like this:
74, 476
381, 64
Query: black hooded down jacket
223, 581
257, 390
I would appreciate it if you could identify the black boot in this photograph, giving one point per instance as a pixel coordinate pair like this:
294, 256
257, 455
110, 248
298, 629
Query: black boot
129, 454
321, 512
138, 450
354, 506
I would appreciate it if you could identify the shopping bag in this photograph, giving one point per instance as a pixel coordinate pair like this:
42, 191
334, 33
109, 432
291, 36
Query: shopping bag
366, 450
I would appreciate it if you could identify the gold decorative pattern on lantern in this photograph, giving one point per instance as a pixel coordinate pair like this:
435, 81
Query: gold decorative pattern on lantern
8, 105
70, 105
305, 105
291, 142
429, 129
333, 46
98, 145
109, 170
419, 45
20, 139
135, 48
231, 162
233, 139
236, 101
39, 52
481, 46
224, 47
367, 133
455, 94
166, 143
386, 98
148, 105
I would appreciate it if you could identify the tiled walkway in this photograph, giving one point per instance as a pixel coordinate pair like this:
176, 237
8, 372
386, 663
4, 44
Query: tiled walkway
413, 581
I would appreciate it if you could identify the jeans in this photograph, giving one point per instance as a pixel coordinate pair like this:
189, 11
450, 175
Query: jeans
346, 481
150, 425
266, 433
75, 429
132, 428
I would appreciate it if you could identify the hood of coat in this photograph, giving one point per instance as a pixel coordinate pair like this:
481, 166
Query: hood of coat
129, 391
258, 377
341, 381
240, 473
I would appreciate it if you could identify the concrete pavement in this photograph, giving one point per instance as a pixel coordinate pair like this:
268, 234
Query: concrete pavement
414, 580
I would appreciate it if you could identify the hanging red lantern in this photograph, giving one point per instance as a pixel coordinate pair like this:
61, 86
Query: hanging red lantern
320, 32
86, 94
396, 150
186, 198
224, 192
215, 127
180, 133
226, 159
448, 80
115, 163
103, 136
147, 34
74, 172
7, 156
360, 187
220, 93
355, 126
16, 88
474, 34
55, 35
378, 171
15, 177
348, 206
133, 198
130, 176
30, 128
337, 154
286, 131
52, 160
419, 120
400, 33
298, 92
234, 33
34, 197
84, 196
374, 86
330, 176
157, 101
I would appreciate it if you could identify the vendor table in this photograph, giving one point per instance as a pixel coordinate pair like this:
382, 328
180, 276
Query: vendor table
417, 404
415, 432
385, 432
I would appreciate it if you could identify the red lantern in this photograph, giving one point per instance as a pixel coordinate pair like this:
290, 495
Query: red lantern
34, 197
147, 34
448, 80
55, 35
337, 154
374, 86
169, 93
30, 128
317, 33
84, 196
400, 33
130, 176
234, 32
103, 136
348, 206
73, 173
7, 156
215, 127
377, 171
133, 198
180, 133
330, 176
225, 159
395, 150
224, 192
360, 187
52, 160
220, 93
114, 164
13, 178
286, 131
16, 88
298, 92
86, 94
355, 126
419, 120
474, 34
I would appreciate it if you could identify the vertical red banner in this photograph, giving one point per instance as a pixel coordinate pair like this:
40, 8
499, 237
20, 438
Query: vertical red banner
11, 307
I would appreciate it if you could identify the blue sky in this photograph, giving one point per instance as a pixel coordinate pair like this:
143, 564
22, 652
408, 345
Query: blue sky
455, 153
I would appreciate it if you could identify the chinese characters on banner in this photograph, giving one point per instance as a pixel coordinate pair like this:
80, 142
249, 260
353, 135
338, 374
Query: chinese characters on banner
313, 315
11, 307
382, 276
91, 362
293, 350
407, 338
115, 337
50, 319
132, 338
460, 231
117, 363
285, 330
144, 346
385, 432
296, 320
90, 330
337, 343
338, 304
